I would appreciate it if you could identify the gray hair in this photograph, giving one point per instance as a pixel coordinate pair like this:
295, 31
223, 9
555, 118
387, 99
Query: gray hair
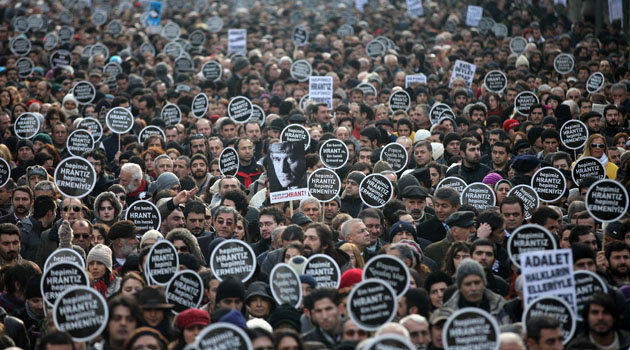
185, 159
134, 169
308, 200
414, 318
619, 86
225, 209
404, 250
511, 338
393, 328
161, 156
45, 186
276, 232
345, 227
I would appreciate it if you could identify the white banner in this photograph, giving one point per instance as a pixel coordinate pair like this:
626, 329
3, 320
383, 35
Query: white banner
320, 89
237, 41
548, 273
465, 70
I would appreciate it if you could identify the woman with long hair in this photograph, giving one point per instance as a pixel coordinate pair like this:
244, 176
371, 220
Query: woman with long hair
456, 253
189, 324
596, 147
355, 255
99, 262
131, 284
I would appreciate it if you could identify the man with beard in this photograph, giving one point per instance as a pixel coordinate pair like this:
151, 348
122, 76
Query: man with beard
484, 252
199, 170
22, 202
132, 180
602, 324
124, 242
471, 169
195, 212
618, 258
492, 227
414, 198
124, 317
460, 98
318, 240
9, 244
611, 123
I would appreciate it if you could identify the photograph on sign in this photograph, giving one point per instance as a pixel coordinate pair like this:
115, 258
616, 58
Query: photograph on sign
75, 177
324, 270
233, 258
286, 172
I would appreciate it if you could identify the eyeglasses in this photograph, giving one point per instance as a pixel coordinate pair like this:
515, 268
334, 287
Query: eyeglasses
182, 249
79, 235
122, 198
75, 208
598, 145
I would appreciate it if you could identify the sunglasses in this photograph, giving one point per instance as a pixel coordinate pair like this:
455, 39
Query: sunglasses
79, 235
74, 208
351, 332
182, 249
598, 145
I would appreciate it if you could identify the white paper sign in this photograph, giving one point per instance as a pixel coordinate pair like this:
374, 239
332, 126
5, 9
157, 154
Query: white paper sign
615, 11
320, 89
416, 78
548, 273
414, 8
473, 16
360, 4
237, 41
465, 70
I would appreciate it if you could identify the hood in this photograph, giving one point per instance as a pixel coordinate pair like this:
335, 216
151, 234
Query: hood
110, 196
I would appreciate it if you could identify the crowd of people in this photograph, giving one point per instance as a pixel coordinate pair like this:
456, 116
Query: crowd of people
456, 253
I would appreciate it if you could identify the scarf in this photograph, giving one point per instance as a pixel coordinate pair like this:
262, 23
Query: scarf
101, 286
604, 160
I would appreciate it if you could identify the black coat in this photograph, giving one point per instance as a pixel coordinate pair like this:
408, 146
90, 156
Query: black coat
432, 230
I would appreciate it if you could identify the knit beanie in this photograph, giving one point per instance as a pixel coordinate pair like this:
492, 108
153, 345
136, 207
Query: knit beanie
236, 318
350, 278
286, 314
230, 288
451, 136
102, 254
165, 181
522, 60
44, 138
491, 179
356, 176
469, 267
582, 251
308, 279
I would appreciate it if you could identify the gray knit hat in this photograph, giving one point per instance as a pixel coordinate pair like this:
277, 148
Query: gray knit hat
165, 181
356, 176
469, 267
102, 254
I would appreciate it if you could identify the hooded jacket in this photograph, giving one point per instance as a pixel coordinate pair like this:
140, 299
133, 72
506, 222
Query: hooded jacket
111, 197
492, 303
189, 239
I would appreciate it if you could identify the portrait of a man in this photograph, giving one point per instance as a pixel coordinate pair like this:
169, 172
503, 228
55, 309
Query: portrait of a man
287, 166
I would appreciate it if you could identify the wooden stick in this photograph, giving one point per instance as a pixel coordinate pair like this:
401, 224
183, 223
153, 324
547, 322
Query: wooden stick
291, 207
118, 142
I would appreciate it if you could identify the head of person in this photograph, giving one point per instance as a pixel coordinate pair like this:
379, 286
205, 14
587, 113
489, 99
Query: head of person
469, 150
270, 218
224, 221
484, 251
354, 231
190, 323
323, 305
56, 340
513, 211
259, 300
544, 333
461, 224
146, 338
352, 332
601, 314
287, 339
471, 281
131, 284
231, 294
155, 309
435, 284
414, 198
122, 234
446, 201
497, 225
10, 242
125, 316
130, 177
418, 328
99, 262
194, 213
583, 257
318, 239
596, 146
312, 208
